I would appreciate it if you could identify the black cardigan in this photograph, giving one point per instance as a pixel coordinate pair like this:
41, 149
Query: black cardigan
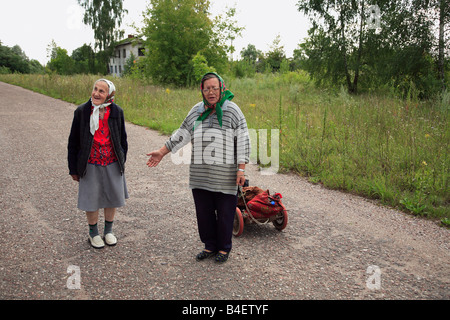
81, 139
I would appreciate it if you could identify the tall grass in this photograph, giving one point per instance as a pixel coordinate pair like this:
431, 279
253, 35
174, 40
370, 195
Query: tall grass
374, 145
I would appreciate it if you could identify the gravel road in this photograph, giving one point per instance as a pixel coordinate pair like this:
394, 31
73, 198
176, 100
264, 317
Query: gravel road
335, 246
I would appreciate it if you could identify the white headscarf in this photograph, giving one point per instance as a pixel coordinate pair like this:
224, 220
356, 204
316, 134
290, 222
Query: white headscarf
96, 113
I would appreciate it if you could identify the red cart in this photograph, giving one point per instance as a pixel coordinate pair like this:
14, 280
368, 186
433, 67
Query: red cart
258, 206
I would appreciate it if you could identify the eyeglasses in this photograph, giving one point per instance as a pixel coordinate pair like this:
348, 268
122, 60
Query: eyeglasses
214, 89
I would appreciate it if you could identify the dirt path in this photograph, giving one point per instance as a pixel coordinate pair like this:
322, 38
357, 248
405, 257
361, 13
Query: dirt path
332, 239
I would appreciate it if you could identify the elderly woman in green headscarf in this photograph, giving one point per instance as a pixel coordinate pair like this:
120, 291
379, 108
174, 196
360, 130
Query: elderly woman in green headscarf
218, 131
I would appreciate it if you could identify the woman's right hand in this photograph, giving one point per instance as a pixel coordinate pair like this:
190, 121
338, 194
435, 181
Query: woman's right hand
75, 177
156, 156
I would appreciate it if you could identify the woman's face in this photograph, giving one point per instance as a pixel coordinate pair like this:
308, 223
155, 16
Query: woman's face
211, 90
100, 93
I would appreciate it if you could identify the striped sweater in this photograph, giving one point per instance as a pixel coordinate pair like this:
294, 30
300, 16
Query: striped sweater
216, 151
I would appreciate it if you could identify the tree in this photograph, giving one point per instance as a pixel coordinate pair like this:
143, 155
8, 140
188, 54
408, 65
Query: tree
319, 57
129, 65
251, 54
15, 60
439, 12
343, 30
276, 55
246, 67
200, 67
444, 19
36, 67
227, 30
61, 62
84, 58
299, 59
402, 53
175, 31
344, 45
104, 17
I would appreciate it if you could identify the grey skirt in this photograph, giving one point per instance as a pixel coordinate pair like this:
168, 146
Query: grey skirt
102, 187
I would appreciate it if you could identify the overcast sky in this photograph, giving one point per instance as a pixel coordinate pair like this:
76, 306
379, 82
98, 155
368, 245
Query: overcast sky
34, 24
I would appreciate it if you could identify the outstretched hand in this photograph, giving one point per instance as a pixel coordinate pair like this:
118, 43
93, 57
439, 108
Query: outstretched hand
155, 158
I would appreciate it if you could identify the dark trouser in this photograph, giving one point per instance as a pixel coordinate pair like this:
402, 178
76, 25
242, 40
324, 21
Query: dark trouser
215, 230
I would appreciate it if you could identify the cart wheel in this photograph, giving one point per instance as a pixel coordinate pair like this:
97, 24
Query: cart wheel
281, 222
238, 224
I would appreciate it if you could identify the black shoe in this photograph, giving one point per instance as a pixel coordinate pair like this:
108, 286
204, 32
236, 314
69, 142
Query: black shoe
222, 257
204, 255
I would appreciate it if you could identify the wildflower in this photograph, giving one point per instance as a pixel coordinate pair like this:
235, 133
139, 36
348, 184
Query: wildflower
424, 163
427, 136
252, 105
168, 91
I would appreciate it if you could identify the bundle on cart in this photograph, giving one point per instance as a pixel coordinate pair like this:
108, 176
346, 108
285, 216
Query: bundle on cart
258, 206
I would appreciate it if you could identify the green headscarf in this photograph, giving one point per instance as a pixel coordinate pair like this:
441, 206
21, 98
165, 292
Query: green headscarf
225, 95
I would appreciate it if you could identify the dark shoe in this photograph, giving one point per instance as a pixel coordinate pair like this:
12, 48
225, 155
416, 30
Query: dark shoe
204, 255
222, 257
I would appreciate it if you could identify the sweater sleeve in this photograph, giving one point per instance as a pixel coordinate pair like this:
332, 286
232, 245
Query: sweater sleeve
183, 135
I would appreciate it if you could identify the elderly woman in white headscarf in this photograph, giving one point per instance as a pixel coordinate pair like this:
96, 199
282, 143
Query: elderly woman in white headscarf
97, 151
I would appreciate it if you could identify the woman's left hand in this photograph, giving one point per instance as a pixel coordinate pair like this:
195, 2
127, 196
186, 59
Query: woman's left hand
240, 179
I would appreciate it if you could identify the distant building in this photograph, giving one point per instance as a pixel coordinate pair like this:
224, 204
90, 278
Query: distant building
122, 52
